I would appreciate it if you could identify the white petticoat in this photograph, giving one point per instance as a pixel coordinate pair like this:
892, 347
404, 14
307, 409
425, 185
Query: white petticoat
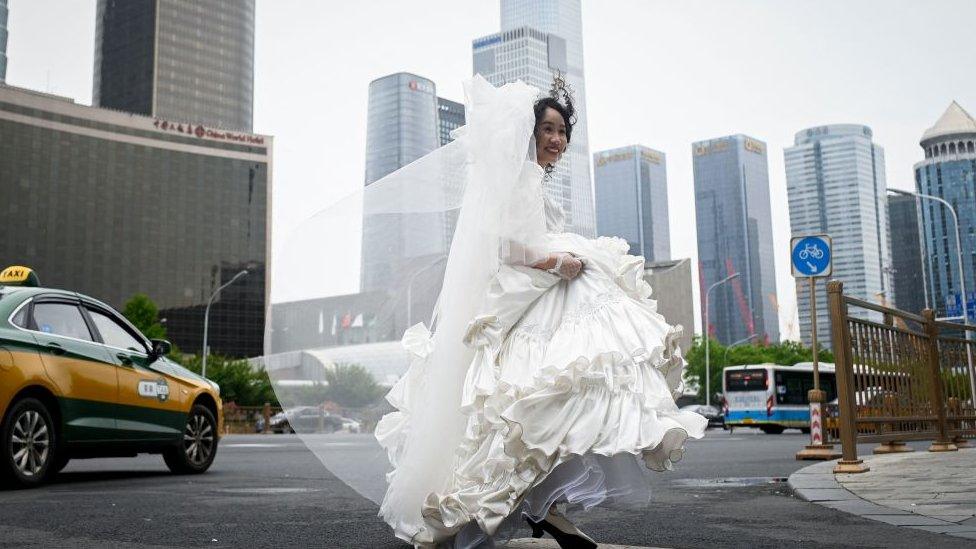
571, 381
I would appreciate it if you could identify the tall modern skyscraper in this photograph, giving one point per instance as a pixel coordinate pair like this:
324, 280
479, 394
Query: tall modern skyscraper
631, 186
735, 235
907, 277
949, 172
401, 126
3, 40
835, 179
183, 61
537, 38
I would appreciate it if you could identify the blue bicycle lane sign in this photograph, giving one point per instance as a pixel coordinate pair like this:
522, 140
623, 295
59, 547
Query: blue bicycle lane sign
811, 255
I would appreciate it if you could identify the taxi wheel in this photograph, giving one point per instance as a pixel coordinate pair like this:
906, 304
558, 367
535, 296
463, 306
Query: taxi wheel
195, 452
29, 444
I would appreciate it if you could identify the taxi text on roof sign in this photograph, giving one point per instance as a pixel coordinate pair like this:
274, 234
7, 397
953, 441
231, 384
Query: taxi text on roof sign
19, 276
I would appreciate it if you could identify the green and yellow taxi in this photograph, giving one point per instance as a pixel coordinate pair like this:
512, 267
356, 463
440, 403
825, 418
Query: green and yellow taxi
77, 380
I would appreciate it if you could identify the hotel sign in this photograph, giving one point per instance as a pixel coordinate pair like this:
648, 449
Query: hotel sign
752, 145
711, 147
605, 158
202, 132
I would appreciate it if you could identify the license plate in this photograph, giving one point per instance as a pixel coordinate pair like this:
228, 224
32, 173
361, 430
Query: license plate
748, 420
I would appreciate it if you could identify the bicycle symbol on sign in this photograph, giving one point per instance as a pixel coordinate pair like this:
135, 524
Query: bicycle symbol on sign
811, 250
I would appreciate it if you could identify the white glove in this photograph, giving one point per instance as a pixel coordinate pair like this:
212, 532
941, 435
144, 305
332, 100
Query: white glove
567, 266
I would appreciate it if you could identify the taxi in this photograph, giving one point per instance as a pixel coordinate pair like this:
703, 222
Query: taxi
77, 380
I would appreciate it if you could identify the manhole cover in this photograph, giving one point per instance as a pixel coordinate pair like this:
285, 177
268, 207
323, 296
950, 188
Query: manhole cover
728, 482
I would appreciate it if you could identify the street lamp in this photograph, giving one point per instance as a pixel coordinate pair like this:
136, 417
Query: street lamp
725, 357
955, 222
206, 317
708, 386
962, 278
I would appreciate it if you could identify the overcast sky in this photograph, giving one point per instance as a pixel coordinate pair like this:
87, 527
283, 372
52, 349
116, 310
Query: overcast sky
661, 73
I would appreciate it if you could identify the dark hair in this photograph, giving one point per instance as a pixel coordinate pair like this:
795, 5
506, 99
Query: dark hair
560, 90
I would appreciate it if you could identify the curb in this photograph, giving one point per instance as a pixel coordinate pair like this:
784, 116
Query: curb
816, 484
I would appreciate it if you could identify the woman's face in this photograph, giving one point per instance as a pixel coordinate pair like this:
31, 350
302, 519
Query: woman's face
550, 137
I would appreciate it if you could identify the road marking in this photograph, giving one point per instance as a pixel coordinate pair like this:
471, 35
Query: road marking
255, 445
530, 543
267, 490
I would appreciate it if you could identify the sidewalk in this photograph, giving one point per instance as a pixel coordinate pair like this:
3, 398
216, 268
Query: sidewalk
931, 491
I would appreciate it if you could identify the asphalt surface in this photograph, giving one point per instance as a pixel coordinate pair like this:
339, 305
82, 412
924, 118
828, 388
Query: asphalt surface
271, 491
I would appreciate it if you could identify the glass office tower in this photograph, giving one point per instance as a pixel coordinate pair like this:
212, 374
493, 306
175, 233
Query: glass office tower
949, 172
835, 179
906, 254
735, 235
183, 61
561, 18
631, 186
112, 205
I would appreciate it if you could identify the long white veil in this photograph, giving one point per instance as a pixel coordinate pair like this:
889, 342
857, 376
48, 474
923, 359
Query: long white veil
433, 234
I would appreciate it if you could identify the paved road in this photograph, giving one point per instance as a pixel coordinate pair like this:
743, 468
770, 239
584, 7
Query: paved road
270, 491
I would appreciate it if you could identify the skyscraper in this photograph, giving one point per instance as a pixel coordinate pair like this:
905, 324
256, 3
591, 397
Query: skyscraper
735, 235
949, 171
631, 186
401, 126
554, 43
450, 116
907, 278
183, 61
835, 179
3, 40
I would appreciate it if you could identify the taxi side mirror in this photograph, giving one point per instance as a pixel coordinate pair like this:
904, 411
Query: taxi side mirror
160, 347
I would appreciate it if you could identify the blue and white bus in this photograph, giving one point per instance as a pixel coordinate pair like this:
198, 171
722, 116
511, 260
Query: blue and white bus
772, 397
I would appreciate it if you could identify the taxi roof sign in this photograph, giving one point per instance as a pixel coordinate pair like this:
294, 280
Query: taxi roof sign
19, 276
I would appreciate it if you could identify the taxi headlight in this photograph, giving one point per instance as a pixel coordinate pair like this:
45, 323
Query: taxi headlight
215, 387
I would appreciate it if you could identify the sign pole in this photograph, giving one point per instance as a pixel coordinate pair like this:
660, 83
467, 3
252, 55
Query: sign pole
816, 450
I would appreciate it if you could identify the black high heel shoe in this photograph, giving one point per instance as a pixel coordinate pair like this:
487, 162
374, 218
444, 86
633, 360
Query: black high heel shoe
564, 532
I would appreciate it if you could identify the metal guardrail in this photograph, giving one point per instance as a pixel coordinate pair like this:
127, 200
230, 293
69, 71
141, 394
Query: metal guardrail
907, 377
244, 419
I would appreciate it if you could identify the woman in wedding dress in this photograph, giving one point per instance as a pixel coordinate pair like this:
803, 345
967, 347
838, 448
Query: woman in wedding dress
569, 373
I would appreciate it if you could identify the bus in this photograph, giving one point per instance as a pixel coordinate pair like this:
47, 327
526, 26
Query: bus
772, 397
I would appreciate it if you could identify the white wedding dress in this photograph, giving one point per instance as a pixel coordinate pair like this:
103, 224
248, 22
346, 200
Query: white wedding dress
572, 384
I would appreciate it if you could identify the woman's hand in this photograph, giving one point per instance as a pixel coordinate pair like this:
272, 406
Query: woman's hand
562, 264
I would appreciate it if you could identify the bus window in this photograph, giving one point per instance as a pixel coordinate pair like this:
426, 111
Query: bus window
792, 387
745, 380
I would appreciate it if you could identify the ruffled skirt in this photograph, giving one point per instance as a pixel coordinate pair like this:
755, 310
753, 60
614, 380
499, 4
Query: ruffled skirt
573, 382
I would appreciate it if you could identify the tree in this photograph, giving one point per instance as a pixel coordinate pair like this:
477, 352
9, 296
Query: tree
239, 381
142, 312
352, 386
786, 353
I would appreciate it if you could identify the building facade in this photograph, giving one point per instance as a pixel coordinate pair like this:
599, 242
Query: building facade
402, 126
949, 172
735, 235
450, 116
564, 19
671, 288
113, 205
631, 185
835, 179
907, 278
182, 61
3, 40
534, 57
